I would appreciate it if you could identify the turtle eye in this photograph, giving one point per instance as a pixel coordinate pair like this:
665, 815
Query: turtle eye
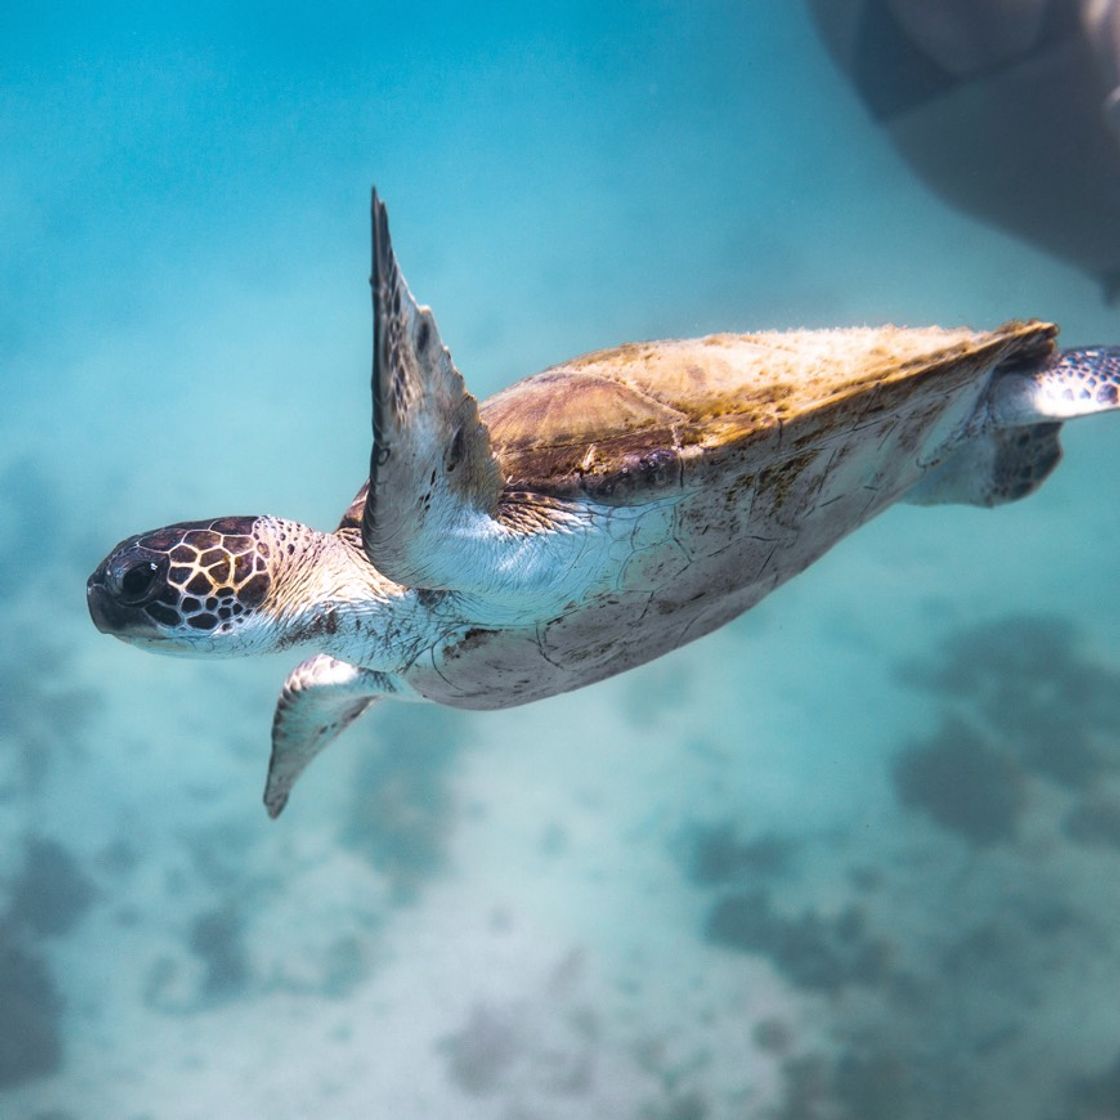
139, 582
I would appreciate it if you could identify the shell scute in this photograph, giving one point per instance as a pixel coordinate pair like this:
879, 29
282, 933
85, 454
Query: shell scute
556, 409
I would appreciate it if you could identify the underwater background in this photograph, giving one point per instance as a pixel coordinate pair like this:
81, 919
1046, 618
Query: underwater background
854, 857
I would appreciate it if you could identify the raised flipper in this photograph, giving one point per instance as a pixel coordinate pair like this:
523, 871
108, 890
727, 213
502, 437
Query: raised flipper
434, 479
321, 697
1014, 443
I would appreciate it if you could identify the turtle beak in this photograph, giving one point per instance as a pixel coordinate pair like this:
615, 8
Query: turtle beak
109, 614
106, 614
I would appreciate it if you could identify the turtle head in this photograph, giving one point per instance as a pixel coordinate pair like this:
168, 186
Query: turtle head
199, 587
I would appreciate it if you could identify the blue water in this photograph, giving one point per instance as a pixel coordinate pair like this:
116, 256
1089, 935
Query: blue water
855, 855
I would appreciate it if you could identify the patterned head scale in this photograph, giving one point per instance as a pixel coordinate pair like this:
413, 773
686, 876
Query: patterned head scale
204, 576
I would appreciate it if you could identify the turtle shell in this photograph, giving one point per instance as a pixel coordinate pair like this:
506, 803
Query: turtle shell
621, 426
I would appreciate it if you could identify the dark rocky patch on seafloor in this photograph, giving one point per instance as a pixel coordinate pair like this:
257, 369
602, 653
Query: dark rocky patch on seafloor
45, 720
1026, 715
47, 899
1028, 687
1094, 1096
810, 950
1095, 821
717, 854
216, 938
1022, 705
51, 894
31, 1041
964, 783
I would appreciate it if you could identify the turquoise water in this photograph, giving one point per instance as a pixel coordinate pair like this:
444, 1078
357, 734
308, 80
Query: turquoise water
853, 856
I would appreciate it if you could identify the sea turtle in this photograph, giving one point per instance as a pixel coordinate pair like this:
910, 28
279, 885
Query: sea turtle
595, 516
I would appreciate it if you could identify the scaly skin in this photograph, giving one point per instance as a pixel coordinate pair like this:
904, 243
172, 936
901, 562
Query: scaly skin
243, 585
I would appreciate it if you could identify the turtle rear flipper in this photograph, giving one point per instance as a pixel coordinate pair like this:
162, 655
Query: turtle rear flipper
1015, 443
434, 481
1001, 465
1072, 383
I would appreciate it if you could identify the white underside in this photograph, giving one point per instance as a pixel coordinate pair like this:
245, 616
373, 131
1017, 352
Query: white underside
521, 577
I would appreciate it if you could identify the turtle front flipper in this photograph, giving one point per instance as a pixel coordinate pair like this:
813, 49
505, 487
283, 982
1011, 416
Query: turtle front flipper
321, 698
434, 481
